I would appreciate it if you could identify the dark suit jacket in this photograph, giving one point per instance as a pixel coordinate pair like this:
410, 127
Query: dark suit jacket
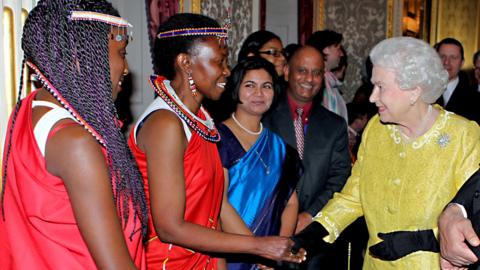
469, 195
464, 101
326, 160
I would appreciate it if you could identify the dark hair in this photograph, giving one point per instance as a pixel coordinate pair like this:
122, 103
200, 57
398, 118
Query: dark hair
232, 88
450, 41
166, 50
476, 56
290, 50
54, 43
343, 60
322, 39
357, 110
254, 42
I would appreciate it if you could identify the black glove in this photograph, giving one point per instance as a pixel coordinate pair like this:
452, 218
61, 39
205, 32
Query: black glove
311, 239
395, 245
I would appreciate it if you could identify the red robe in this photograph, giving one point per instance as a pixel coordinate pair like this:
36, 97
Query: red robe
40, 230
204, 188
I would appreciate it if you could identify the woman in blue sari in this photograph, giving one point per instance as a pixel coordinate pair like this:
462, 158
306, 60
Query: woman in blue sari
261, 171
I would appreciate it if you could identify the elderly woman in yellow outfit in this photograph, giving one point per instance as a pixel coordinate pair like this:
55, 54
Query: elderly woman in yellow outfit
413, 158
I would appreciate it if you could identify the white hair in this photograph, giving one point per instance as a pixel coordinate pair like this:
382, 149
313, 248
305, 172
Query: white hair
415, 63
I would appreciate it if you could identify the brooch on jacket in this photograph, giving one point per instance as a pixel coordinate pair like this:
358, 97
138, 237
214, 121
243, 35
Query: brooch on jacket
443, 140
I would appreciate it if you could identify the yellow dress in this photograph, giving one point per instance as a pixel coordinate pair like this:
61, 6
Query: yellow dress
400, 186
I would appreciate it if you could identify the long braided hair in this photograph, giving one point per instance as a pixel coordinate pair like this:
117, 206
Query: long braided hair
73, 65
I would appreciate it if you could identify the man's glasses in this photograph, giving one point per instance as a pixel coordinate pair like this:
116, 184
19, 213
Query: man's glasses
274, 52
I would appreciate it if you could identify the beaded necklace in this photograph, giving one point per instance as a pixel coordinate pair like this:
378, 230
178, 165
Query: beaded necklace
50, 88
204, 128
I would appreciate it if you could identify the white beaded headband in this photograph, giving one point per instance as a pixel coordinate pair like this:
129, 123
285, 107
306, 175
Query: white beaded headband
105, 18
100, 17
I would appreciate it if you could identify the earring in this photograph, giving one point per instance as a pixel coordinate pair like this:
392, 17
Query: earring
193, 87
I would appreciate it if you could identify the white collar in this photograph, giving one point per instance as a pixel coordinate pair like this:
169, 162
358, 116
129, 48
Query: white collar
449, 91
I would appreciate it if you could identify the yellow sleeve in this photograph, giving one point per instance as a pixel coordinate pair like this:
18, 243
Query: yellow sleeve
345, 206
469, 163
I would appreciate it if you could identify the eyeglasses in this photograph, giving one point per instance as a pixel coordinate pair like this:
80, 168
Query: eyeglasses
274, 52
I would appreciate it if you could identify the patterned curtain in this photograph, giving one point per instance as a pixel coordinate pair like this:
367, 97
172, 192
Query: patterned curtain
305, 20
157, 12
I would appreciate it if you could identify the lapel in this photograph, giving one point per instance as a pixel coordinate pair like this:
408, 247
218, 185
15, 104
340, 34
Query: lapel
315, 126
284, 121
459, 96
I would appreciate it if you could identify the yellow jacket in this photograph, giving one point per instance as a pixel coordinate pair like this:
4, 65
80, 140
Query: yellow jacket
403, 186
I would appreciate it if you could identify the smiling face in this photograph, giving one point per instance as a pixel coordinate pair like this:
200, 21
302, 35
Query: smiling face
117, 51
255, 92
304, 74
272, 51
393, 103
209, 66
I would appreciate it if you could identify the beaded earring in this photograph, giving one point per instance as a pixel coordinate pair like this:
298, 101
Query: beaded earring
191, 82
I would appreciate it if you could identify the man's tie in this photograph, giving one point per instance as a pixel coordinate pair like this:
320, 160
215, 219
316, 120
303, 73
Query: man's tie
298, 124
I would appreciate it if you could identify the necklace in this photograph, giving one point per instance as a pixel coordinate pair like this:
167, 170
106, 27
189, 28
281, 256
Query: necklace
246, 129
267, 168
205, 128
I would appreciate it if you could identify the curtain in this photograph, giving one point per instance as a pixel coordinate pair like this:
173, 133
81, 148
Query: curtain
158, 11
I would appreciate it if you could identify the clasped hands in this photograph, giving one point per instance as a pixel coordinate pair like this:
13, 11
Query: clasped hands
458, 238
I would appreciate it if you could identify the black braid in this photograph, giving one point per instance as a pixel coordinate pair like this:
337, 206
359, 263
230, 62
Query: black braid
73, 56
9, 145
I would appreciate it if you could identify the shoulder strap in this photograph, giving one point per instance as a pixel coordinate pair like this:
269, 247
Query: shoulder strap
43, 103
158, 104
45, 124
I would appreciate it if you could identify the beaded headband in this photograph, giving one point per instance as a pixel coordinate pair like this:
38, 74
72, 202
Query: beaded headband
220, 32
105, 18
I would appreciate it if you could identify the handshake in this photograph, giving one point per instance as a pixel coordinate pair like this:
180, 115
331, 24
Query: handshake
394, 245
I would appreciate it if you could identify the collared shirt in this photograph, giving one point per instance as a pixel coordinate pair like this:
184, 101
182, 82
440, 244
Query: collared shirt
450, 87
307, 109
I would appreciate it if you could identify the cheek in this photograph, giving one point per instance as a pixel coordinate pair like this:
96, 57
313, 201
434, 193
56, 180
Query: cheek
269, 96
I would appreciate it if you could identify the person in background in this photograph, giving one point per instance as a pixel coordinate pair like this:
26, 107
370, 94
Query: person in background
413, 158
358, 119
261, 171
267, 45
341, 69
458, 97
263, 44
174, 143
329, 44
476, 68
319, 136
73, 197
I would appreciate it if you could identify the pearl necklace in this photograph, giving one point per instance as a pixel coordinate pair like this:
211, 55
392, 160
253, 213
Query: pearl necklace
246, 129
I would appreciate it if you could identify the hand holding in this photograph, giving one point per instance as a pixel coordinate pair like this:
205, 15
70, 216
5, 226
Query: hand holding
454, 229
279, 249
311, 238
396, 245
446, 265
304, 219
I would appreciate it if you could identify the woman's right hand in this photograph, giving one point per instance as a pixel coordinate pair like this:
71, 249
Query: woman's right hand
279, 248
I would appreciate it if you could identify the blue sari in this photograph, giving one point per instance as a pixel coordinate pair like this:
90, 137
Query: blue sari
261, 183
